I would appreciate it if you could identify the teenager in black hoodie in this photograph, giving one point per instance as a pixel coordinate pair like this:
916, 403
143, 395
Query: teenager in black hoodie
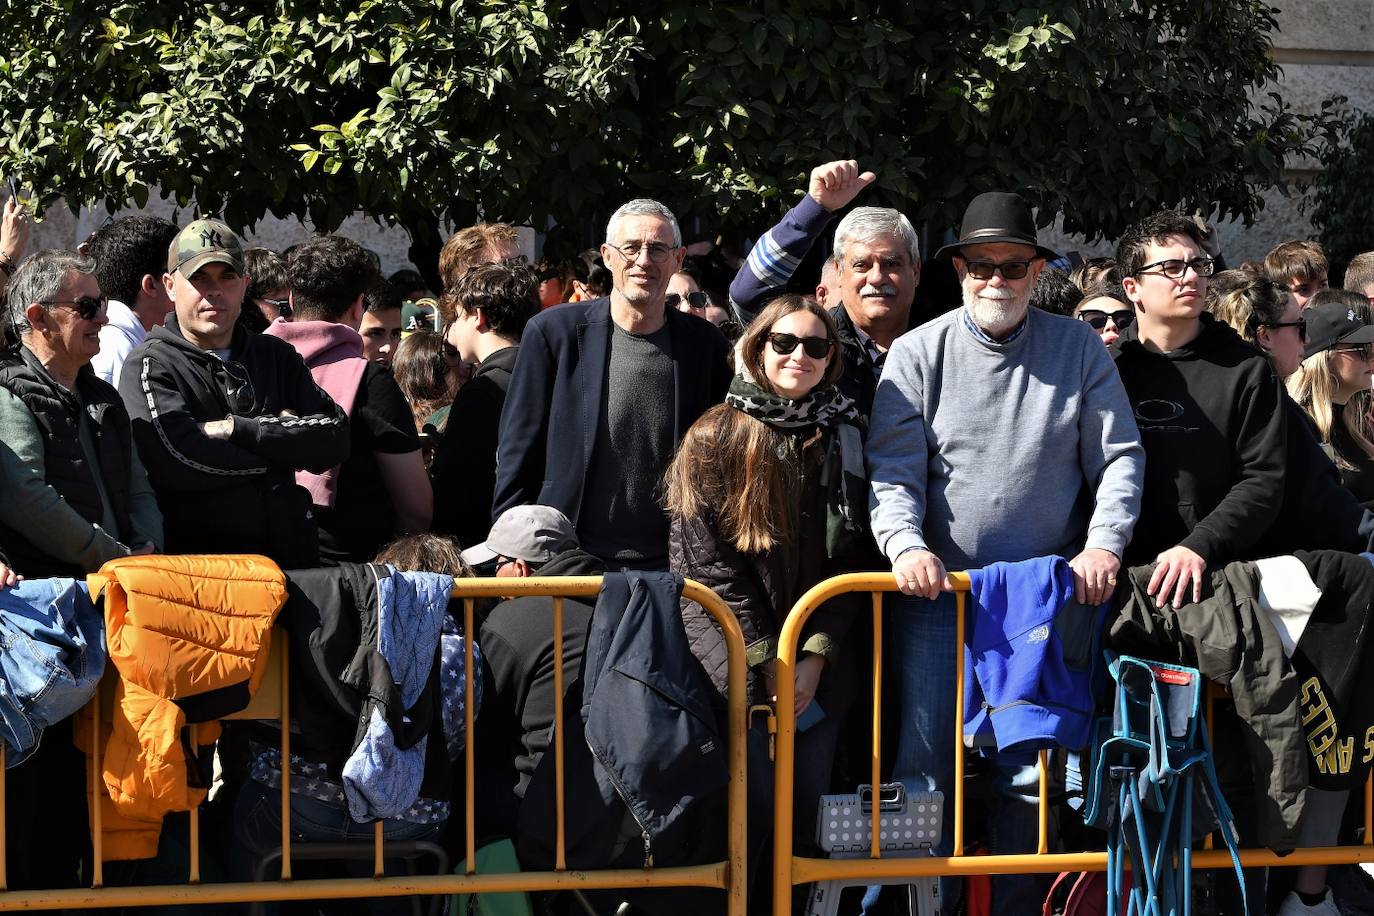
1209, 410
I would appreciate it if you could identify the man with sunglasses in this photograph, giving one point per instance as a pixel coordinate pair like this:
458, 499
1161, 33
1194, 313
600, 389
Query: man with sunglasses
602, 393
223, 418
75, 496
999, 433
1210, 412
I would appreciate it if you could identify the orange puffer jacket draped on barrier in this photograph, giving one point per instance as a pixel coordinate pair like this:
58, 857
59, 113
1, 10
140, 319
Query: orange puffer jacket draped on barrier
188, 636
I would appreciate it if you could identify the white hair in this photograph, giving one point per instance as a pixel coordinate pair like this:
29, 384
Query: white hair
869, 224
643, 206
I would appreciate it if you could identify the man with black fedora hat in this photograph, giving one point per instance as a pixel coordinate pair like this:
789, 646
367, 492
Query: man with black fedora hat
999, 433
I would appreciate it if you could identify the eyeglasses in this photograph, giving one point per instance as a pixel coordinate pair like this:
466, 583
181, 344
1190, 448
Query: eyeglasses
1097, 319
696, 300
1175, 268
1360, 350
1300, 324
502, 562
1010, 270
86, 307
814, 347
658, 252
238, 388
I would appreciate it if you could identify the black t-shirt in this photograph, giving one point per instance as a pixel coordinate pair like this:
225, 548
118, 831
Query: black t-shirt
362, 520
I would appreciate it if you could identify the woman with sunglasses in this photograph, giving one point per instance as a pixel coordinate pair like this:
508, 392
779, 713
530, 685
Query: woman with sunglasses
1332, 383
767, 497
1317, 512
1106, 311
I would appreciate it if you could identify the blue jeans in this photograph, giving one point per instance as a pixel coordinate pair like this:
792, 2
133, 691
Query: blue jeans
257, 833
921, 646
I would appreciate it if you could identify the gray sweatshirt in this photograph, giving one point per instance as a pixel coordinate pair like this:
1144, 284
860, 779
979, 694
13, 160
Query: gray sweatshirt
983, 452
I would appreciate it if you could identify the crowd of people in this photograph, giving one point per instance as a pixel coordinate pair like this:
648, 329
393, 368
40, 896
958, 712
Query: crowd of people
166, 390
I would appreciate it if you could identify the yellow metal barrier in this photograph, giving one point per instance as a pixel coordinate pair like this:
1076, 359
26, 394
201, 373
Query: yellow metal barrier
790, 870
272, 701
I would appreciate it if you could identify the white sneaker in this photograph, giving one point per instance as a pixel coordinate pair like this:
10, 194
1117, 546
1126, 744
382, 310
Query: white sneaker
1293, 906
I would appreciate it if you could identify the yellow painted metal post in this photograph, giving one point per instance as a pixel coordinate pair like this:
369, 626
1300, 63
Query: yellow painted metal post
97, 795
378, 859
784, 758
194, 876
958, 723
469, 756
285, 758
4, 840
560, 862
875, 776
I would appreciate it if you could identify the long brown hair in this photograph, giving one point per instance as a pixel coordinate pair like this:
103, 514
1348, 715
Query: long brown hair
739, 469
421, 371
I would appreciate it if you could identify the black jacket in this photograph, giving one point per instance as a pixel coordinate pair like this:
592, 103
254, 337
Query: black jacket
557, 393
1212, 421
464, 465
337, 674
237, 495
859, 380
58, 415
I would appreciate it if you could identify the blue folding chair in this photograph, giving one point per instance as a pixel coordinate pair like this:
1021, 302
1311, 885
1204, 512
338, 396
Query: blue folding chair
1153, 787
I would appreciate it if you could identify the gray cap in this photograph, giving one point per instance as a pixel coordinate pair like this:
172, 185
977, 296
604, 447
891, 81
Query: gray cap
535, 534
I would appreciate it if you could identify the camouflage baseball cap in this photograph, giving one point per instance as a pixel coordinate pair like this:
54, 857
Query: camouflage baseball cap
205, 241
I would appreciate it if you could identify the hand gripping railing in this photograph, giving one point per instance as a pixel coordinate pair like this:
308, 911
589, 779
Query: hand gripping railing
790, 870
273, 701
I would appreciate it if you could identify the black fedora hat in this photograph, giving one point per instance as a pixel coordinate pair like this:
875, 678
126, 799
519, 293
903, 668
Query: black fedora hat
998, 216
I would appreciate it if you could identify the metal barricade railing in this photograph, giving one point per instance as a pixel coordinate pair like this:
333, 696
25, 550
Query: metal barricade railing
273, 701
790, 870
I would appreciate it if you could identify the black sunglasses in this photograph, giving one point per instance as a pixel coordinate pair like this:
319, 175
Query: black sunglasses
1010, 270
87, 307
696, 300
814, 347
1300, 324
1123, 318
238, 388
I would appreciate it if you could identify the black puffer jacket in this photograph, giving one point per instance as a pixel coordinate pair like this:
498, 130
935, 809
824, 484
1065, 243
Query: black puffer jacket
761, 588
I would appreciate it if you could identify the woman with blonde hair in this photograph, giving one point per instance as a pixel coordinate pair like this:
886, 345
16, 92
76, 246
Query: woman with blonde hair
1332, 383
767, 497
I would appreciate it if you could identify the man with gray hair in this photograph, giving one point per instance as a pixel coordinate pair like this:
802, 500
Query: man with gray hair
869, 280
76, 494
1000, 433
602, 393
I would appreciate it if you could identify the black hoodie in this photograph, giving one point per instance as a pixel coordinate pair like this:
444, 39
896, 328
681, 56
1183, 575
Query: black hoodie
235, 495
1212, 421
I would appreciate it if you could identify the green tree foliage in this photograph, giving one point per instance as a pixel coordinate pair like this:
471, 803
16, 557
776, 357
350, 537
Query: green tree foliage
419, 112
1343, 197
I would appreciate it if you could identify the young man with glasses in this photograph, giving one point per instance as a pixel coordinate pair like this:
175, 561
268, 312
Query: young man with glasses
223, 418
999, 433
604, 390
1209, 410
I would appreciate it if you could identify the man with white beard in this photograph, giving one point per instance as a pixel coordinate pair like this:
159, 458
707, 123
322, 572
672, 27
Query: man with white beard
999, 433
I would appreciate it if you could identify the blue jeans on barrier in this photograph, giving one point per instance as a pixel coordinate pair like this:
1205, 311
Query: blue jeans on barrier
257, 832
921, 646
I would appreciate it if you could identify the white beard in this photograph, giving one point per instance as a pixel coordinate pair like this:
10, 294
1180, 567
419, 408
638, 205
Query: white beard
997, 311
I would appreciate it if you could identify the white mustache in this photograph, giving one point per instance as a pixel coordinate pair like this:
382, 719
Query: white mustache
996, 293
887, 289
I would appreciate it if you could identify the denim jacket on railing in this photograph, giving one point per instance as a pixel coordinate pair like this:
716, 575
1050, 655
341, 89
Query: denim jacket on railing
52, 653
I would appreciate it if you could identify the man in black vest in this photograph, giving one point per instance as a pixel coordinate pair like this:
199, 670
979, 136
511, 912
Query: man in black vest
75, 492
74, 496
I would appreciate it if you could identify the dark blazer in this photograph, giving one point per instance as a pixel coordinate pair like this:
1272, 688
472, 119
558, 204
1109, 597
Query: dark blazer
557, 394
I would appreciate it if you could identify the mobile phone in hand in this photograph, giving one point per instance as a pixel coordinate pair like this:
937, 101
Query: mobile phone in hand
813, 715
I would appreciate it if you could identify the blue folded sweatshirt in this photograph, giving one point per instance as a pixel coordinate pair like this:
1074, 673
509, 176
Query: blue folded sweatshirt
1024, 689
